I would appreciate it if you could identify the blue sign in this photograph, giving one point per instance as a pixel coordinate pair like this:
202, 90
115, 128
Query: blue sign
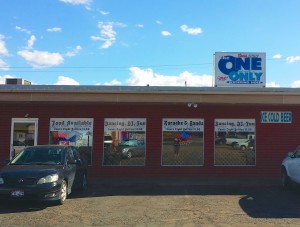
240, 69
275, 117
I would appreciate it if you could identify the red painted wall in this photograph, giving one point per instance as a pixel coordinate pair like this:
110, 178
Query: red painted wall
273, 141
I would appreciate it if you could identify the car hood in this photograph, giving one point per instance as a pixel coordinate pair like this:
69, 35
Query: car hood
30, 170
285, 160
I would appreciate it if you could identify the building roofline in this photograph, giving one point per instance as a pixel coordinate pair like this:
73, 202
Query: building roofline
105, 88
148, 94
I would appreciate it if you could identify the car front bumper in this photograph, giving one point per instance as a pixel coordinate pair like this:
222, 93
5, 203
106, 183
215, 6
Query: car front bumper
42, 192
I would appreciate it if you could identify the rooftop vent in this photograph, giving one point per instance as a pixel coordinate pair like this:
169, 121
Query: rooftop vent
18, 81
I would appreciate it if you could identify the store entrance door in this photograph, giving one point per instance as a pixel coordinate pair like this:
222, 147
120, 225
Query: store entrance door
23, 134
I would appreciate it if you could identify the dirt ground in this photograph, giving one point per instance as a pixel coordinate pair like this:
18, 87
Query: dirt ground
127, 203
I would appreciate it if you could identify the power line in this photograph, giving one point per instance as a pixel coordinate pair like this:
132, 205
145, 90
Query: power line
58, 69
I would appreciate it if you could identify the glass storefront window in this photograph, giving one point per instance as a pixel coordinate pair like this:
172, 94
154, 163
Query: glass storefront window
182, 142
124, 141
235, 142
73, 131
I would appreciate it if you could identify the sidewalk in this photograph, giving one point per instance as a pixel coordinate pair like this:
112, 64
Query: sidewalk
188, 181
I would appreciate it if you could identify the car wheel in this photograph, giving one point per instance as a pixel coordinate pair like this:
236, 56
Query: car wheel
63, 193
285, 180
235, 145
129, 154
83, 185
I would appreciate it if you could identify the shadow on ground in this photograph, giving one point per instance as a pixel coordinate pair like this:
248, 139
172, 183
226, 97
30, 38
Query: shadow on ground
8, 206
257, 201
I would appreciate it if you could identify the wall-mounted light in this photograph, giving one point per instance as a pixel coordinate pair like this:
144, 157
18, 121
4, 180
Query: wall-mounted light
191, 104
26, 115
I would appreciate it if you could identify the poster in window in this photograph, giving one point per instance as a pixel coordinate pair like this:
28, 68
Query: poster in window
73, 131
182, 142
124, 141
235, 142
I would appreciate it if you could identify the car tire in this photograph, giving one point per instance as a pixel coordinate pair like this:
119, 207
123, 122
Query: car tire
129, 154
243, 148
63, 193
235, 145
285, 180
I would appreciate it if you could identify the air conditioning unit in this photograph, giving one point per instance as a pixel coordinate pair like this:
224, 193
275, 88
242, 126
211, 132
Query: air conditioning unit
18, 81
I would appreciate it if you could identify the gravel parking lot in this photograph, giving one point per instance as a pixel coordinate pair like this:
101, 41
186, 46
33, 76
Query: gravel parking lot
161, 203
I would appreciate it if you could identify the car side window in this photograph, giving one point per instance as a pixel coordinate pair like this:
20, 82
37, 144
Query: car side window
297, 153
76, 153
70, 155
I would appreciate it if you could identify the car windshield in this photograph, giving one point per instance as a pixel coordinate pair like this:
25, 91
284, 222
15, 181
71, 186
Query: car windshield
39, 156
128, 143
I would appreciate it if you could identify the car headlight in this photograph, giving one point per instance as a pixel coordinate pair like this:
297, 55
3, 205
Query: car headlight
48, 179
124, 150
1, 180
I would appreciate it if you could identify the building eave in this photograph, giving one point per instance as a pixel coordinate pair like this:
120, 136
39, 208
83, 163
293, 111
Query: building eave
148, 94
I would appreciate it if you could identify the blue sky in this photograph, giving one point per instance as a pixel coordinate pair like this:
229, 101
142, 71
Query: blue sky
134, 42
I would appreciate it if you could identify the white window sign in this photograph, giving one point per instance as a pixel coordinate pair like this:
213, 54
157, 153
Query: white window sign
193, 125
233, 125
124, 124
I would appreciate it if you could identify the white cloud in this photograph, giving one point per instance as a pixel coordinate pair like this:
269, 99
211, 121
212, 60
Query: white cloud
95, 38
3, 52
158, 22
3, 49
272, 84
107, 33
139, 25
3, 65
55, 29
292, 59
296, 84
190, 31
113, 82
74, 52
106, 44
63, 80
78, 2
277, 56
3, 78
166, 33
31, 42
23, 29
104, 13
41, 59
140, 77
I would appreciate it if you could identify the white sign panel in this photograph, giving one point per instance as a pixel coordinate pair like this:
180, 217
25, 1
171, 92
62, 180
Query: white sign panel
234, 69
275, 117
124, 124
191, 125
71, 124
235, 125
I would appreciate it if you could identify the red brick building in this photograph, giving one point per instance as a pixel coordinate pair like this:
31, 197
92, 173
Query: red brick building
100, 119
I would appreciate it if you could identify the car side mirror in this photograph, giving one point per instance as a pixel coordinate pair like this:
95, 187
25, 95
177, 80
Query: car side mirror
71, 162
78, 162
